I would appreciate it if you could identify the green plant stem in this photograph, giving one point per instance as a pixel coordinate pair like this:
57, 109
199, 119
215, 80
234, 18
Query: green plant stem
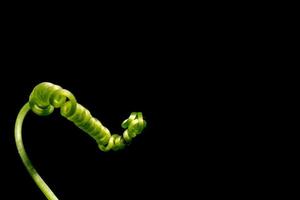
20, 146
47, 96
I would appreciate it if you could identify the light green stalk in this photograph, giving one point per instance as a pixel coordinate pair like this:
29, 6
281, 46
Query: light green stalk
31, 170
47, 96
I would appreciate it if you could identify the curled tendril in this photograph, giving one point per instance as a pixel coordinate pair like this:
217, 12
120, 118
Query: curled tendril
47, 96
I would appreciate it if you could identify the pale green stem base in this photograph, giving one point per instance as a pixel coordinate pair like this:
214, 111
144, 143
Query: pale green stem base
19, 142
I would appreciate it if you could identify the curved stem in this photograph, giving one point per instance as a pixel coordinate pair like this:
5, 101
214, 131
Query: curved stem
20, 146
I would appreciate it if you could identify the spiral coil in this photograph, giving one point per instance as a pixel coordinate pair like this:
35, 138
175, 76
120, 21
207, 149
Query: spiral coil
47, 96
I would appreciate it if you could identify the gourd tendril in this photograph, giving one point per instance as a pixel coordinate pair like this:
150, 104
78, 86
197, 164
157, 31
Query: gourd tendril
47, 96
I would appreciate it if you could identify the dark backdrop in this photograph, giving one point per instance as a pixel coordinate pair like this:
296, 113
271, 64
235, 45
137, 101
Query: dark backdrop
158, 65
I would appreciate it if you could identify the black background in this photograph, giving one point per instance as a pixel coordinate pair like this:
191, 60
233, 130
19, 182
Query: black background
154, 62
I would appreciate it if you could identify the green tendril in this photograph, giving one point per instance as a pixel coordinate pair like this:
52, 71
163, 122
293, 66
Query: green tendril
47, 96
